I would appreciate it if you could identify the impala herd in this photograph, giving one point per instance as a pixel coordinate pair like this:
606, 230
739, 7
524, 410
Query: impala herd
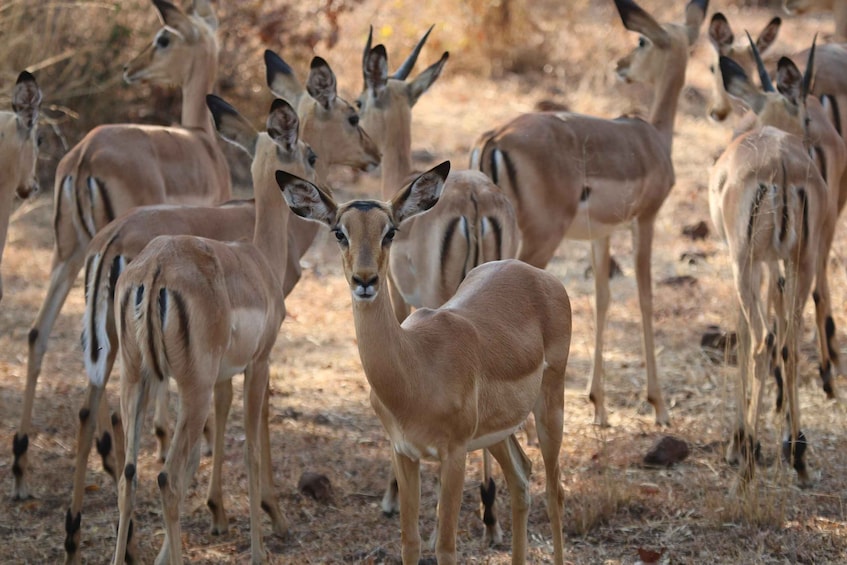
461, 331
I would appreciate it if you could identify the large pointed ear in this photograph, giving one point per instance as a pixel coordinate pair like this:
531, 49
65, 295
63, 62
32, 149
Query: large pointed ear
695, 13
203, 10
231, 125
281, 79
375, 70
789, 80
768, 35
305, 199
737, 84
720, 33
176, 19
26, 100
283, 125
423, 81
421, 194
321, 84
635, 19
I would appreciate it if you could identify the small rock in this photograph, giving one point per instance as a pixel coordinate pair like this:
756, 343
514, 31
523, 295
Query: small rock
700, 230
666, 452
315, 485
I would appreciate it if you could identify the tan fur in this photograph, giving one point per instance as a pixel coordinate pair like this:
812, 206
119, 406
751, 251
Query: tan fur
580, 177
133, 165
837, 7
200, 311
461, 377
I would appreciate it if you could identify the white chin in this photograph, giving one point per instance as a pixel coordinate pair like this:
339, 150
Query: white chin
364, 296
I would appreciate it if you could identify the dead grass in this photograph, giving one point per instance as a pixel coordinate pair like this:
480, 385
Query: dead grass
321, 419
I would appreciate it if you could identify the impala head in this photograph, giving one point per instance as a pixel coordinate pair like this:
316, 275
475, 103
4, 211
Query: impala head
280, 147
783, 106
19, 139
802, 6
330, 123
386, 101
723, 40
364, 228
186, 41
661, 47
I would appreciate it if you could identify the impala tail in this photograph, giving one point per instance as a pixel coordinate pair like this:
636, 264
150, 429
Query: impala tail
101, 274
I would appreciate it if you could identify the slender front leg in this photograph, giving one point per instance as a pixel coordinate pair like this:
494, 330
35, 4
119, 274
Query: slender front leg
408, 476
488, 495
600, 261
643, 242
160, 418
255, 388
516, 469
269, 502
449, 503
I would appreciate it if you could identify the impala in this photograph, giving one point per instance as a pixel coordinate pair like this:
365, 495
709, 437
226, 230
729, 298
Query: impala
200, 311
837, 7
580, 177
457, 378
829, 153
772, 207
117, 167
473, 222
18, 150
122, 240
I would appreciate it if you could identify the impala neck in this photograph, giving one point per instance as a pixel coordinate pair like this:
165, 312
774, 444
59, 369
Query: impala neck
272, 214
396, 148
839, 10
200, 82
665, 101
382, 348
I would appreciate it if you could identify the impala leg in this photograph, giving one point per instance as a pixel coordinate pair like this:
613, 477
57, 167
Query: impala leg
742, 393
181, 462
830, 365
255, 389
643, 242
214, 498
134, 393
62, 276
516, 468
85, 437
160, 418
408, 476
269, 501
488, 495
390, 500
600, 261
549, 415
449, 504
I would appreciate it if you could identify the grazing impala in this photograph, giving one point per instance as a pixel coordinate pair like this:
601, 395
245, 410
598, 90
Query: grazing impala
772, 206
18, 150
117, 167
200, 311
457, 378
580, 177
473, 222
782, 110
122, 240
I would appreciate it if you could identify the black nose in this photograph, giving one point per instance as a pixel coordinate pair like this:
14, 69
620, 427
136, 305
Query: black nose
365, 283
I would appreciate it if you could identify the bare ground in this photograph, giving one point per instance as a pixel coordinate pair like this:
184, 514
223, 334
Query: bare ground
617, 510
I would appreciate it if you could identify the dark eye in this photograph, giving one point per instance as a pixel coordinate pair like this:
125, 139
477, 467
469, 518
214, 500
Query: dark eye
358, 104
389, 236
339, 235
162, 41
354, 120
642, 42
312, 158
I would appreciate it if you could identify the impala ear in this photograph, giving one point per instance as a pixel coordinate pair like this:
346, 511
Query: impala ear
26, 100
737, 84
789, 80
283, 125
321, 84
305, 199
176, 19
203, 10
421, 194
231, 125
695, 13
281, 79
720, 33
635, 19
423, 81
375, 70
768, 35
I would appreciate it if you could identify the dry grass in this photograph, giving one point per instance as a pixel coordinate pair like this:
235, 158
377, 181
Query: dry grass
321, 419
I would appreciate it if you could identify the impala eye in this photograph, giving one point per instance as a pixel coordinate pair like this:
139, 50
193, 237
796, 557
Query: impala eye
354, 120
642, 42
340, 237
163, 41
312, 158
389, 236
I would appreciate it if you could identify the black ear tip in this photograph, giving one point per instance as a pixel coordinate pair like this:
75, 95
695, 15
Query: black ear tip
25, 76
218, 106
380, 50
719, 17
443, 169
283, 178
776, 21
280, 104
318, 62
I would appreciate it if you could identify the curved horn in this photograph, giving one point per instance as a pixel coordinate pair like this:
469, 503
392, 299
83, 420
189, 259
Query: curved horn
407, 65
810, 73
767, 85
